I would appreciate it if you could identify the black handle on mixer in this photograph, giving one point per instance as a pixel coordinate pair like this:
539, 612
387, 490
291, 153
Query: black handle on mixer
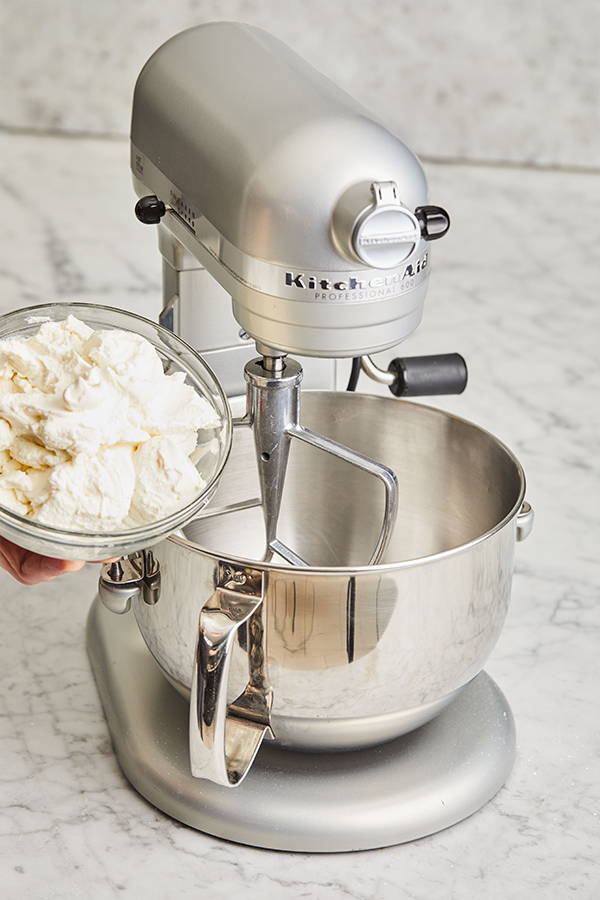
426, 376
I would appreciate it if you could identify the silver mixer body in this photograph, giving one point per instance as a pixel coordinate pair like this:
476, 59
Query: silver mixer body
273, 188
289, 193
264, 171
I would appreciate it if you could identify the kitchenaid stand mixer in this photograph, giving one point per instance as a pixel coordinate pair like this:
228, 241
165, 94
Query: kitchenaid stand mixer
272, 187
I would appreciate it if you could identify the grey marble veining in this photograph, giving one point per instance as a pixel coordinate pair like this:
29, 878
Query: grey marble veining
72, 233
510, 80
521, 303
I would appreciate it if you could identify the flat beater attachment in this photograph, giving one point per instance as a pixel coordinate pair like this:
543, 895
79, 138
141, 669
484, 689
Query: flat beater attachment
273, 412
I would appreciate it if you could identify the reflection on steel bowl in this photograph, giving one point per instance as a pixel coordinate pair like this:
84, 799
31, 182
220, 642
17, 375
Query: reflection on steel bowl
347, 657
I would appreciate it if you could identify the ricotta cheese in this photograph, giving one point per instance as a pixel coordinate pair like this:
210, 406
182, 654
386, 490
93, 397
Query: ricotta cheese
94, 436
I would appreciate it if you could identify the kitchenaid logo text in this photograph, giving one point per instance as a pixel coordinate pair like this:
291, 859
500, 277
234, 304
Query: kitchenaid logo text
358, 288
400, 237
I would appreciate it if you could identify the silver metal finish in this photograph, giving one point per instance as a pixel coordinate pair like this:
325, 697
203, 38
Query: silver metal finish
525, 518
386, 233
303, 802
196, 307
273, 413
273, 407
151, 578
356, 655
257, 179
306, 212
224, 738
133, 576
119, 583
370, 368
228, 365
214, 511
364, 462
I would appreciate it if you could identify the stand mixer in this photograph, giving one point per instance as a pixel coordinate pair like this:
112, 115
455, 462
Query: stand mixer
325, 619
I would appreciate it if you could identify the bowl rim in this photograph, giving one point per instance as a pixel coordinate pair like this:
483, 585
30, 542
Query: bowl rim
380, 568
68, 537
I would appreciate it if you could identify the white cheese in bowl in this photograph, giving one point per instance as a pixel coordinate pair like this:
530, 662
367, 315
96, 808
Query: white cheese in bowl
94, 436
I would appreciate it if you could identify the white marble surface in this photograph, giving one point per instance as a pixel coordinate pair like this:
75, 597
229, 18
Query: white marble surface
514, 289
496, 79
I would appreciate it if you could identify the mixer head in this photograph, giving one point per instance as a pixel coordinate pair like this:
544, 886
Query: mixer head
311, 215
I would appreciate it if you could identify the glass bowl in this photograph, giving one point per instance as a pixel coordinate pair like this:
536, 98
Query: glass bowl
176, 356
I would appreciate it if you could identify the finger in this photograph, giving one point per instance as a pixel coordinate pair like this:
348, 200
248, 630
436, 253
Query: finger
11, 558
11, 553
70, 565
32, 568
36, 568
27, 578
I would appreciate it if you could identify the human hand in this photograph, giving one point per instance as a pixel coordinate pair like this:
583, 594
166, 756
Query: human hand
32, 568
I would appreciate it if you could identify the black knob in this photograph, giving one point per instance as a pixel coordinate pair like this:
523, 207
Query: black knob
426, 376
434, 221
150, 210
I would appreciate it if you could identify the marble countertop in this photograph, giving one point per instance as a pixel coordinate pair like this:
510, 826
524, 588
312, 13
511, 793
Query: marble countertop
515, 290
510, 81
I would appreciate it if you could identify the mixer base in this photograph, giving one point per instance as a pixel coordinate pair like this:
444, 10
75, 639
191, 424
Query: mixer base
305, 802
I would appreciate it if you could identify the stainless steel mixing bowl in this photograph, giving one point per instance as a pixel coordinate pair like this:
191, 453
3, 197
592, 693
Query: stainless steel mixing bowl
340, 655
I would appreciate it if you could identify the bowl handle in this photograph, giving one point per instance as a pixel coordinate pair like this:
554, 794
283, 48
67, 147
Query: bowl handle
225, 738
524, 521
